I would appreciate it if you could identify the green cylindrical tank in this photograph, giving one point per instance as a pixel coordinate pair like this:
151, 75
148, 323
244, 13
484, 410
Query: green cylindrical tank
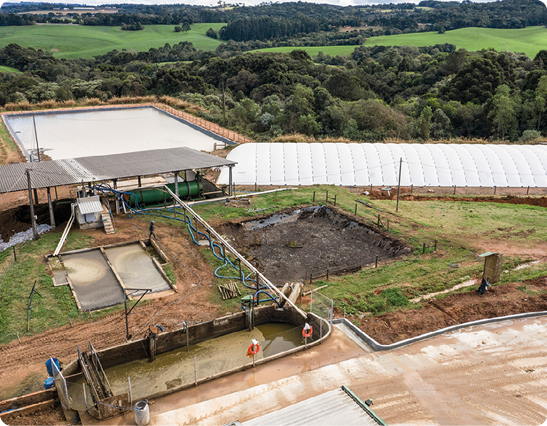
150, 196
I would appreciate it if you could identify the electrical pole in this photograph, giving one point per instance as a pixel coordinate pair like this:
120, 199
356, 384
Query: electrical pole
399, 186
35, 235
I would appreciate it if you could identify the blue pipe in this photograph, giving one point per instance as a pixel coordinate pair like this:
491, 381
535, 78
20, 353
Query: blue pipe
104, 188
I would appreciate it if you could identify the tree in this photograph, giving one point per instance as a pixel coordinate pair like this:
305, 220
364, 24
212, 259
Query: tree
504, 113
423, 123
178, 29
185, 27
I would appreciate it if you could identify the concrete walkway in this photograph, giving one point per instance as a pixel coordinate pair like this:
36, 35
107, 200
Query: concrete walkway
493, 374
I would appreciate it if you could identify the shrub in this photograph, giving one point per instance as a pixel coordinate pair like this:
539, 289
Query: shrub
529, 136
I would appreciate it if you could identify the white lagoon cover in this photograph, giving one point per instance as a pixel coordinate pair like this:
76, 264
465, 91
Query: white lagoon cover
377, 164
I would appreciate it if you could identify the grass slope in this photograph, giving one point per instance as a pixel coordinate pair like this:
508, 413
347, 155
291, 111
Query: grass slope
74, 41
527, 40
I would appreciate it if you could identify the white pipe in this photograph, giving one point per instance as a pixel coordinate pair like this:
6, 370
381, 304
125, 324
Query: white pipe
235, 253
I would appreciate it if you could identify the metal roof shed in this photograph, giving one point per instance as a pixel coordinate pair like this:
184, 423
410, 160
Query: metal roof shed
337, 407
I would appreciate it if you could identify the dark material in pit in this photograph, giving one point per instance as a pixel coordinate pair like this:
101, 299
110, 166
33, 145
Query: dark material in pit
290, 245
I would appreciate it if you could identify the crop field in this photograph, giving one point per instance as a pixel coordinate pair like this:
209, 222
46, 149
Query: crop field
77, 41
527, 40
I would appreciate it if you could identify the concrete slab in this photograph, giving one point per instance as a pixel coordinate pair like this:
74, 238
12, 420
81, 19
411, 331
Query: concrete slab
493, 374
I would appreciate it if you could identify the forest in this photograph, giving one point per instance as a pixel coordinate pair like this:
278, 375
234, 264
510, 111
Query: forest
377, 93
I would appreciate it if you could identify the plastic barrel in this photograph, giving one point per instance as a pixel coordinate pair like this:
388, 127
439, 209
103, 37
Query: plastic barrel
49, 366
142, 413
48, 383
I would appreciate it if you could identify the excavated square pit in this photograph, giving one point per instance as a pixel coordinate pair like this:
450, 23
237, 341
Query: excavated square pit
291, 245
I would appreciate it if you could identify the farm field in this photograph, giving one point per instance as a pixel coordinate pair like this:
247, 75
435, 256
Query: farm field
527, 40
75, 41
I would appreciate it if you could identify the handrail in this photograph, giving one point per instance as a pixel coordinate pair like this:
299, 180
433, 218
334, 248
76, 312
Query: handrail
94, 352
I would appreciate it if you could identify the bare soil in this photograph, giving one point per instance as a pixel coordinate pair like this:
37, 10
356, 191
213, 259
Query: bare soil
501, 300
109, 330
290, 245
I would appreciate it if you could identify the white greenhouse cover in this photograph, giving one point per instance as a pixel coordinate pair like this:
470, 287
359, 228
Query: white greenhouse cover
377, 164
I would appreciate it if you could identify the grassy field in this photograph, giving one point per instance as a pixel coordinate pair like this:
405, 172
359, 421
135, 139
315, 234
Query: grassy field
456, 226
74, 41
4, 68
527, 40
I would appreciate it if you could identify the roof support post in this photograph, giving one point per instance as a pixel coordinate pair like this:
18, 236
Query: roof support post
35, 235
51, 214
230, 184
177, 183
139, 184
115, 181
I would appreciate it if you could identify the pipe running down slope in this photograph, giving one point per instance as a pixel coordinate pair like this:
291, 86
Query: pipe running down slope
244, 261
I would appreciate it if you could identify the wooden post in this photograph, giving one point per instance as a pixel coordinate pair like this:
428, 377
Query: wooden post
14, 255
327, 197
454, 189
376, 264
378, 219
314, 196
495, 187
388, 223
355, 209
371, 188
411, 188
310, 278
334, 200
424, 249
50, 205
35, 235
528, 191
327, 273
435, 245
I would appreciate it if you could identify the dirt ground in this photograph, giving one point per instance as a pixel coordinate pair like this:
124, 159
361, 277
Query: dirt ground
506, 299
110, 329
290, 245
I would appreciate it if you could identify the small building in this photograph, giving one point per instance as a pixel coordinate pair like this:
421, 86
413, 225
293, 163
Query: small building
88, 212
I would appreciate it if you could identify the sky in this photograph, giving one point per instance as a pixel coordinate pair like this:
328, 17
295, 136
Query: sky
248, 2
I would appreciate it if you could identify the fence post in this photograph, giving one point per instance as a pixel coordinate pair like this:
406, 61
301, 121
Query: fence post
314, 196
388, 223
424, 249
327, 197
454, 189
355, 209
376, 264
327, 273
528, 191
378, 219
435, 245
14, 255
334, 200
495, 187
311, 300
310, 278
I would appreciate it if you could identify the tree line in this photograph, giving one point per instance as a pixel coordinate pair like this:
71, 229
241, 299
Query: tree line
413, 93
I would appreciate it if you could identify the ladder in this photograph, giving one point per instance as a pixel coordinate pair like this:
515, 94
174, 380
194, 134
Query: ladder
107, 221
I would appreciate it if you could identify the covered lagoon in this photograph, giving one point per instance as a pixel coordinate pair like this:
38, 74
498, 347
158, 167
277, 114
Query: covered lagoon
89, 132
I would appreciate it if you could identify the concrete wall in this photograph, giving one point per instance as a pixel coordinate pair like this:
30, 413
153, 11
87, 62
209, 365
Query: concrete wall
169, 341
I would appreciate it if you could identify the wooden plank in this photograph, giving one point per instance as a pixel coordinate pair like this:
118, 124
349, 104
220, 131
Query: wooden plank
29, 409
30, 399
315, 289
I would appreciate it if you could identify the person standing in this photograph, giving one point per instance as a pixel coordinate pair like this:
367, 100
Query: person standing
151, 229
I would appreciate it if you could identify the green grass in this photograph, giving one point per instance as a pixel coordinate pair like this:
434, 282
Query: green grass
16, 280
4, 68
78, 41
528, 40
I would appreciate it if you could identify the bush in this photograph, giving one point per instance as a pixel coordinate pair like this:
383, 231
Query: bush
394, 297
530, 136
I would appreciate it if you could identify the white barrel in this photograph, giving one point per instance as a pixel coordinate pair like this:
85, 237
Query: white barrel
142, 413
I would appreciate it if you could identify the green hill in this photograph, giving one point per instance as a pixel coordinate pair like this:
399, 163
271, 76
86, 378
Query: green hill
78, 41
527, 40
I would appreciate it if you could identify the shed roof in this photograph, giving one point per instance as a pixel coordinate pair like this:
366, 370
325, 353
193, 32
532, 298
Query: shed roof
337, 407
105, 167
89, 205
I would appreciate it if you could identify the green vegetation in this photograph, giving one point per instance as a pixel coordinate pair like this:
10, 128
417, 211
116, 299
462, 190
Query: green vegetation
16, 280
78, 41
8, 69
523, 40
